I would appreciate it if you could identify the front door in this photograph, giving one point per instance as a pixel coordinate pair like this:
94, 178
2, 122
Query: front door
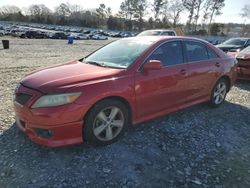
159, 90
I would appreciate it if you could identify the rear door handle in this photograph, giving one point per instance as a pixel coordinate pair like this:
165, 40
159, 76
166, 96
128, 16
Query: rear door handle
217, 64
183, 72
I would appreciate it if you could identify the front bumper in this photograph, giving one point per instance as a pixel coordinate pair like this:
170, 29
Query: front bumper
63, 123
243, 70
62, 135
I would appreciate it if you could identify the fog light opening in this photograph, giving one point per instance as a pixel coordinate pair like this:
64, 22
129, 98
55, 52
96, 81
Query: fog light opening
44, 133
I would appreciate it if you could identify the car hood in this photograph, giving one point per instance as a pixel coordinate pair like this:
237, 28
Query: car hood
226, 46
61, 77
243, 55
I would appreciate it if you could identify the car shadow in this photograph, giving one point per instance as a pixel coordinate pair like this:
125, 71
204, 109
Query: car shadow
168, 151
243, 84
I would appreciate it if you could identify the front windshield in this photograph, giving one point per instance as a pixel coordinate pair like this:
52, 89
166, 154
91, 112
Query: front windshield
239, 42
246, 49
119, 54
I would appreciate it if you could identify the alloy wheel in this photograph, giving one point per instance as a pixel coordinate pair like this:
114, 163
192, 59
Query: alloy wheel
220, 93
108, 123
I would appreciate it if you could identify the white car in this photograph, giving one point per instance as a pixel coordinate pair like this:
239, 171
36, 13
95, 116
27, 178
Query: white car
2, 32
158, 32
80, 36
99, 37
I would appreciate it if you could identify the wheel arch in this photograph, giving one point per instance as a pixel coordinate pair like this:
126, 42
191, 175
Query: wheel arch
118, 98
227, 79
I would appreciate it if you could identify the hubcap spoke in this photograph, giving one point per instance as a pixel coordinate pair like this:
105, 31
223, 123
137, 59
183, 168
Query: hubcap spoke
117, 123
216, 93
217, 99
99, 129
109, 133
222, 88
102, 116
113, 113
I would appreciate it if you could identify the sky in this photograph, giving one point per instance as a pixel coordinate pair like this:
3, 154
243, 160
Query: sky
230, 11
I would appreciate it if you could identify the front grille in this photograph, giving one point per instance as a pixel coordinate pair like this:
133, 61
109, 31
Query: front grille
22, 98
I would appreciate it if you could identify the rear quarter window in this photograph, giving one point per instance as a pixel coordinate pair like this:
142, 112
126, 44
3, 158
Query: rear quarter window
211, 54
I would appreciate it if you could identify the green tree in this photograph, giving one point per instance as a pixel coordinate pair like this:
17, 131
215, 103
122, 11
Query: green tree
245, 12
190, 6
139, 7
174, 11
214, 29
215, 8
127, 13
157, 8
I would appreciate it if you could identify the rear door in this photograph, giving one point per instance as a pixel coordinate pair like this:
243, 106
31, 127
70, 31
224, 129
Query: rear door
204, 68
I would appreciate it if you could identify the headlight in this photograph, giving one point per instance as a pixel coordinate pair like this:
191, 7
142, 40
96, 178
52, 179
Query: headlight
56, 100
238, 50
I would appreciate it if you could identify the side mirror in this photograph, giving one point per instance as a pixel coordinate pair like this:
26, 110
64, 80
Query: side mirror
152, 65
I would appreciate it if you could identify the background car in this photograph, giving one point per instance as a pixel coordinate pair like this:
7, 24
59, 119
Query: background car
80, 36
99, 37
234, 44
33, 34
128, 81
2, 32
158, 32
58, 35
243, 58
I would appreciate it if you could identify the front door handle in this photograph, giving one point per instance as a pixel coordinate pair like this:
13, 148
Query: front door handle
217, 64
183, 71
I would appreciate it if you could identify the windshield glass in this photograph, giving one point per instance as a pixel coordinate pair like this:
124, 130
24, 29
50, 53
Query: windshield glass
235, 42
119, 54
246, 49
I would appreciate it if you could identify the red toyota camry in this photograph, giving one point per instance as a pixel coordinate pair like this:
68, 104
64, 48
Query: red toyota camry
125, 82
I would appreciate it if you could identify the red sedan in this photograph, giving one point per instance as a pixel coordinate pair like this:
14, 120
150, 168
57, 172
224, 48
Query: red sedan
126, 82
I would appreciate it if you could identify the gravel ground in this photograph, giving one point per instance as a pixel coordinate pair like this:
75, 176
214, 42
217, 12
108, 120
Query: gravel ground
196, 147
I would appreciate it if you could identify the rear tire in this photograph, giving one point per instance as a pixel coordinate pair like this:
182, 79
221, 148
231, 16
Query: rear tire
219, 93
105, 122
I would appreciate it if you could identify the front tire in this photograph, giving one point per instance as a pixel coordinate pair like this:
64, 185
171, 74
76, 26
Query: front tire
219, 93
106, 122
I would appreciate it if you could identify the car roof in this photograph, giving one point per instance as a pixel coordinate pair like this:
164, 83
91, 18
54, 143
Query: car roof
160, 30
163, 38
244, 38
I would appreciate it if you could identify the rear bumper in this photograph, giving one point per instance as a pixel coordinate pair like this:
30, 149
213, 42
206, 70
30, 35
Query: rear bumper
61, 135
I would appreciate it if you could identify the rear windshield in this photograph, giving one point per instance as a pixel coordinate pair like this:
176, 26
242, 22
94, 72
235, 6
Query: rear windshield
240, 42
156, 33
246, 49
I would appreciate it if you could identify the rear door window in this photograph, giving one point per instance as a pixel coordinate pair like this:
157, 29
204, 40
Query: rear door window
211, 54
195, 51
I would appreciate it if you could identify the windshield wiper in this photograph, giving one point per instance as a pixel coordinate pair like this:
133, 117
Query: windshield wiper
95, 63
102, 64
